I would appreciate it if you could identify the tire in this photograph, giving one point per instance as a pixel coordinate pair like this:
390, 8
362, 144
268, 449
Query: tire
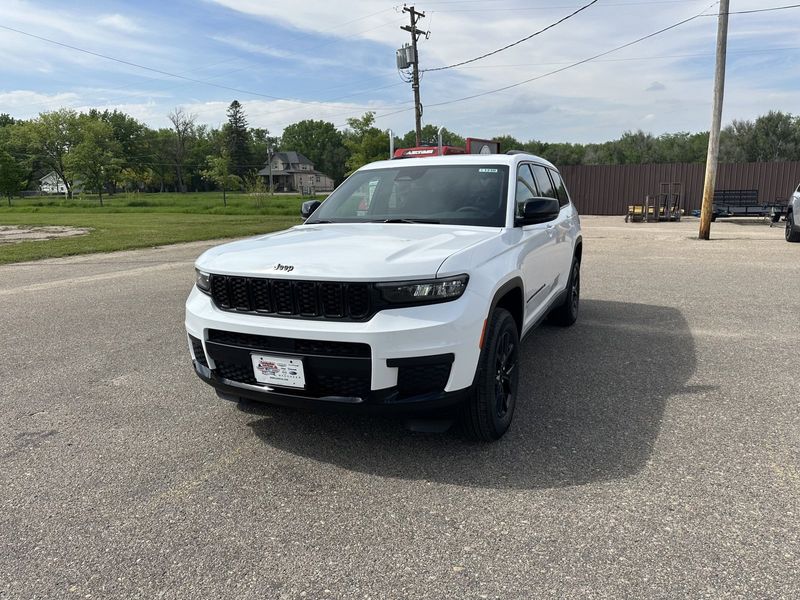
792, 234
566, 314
487, 414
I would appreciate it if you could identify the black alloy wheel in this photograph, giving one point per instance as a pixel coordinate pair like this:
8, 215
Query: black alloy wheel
505, 369
487, 414
567, 314
791, 234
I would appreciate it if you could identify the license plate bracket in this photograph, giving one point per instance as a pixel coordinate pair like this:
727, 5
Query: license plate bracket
281, 371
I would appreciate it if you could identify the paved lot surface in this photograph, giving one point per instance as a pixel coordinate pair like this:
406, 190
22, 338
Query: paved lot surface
656, 452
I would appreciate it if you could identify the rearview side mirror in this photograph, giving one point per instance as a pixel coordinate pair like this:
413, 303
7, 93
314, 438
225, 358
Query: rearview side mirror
309, 207
538, 210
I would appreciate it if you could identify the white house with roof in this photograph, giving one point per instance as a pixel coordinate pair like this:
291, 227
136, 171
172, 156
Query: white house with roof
293, 172
53, 184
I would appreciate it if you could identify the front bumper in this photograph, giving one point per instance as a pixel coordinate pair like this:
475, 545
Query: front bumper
418, 357
381, 401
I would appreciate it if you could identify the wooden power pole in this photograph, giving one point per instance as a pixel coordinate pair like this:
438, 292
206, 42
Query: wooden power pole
716, 122
415, 16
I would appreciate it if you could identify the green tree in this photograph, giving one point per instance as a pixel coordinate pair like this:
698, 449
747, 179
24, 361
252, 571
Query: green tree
49, 138
683, 147
775, 136
184, 130
559, 154
132, 138
321, 143
206, 142
6, 120
12, 175
262, 144
97, 157
159, 145
238, 139
635, 147
429, 135
365, 142
218, 171
508, 142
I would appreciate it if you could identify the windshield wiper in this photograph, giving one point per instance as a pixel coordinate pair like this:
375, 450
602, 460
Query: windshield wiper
430, 221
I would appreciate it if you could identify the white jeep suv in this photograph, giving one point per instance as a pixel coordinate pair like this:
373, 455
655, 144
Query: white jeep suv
408, 289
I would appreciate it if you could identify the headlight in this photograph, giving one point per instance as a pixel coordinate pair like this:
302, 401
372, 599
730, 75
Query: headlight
428, 291
202, 281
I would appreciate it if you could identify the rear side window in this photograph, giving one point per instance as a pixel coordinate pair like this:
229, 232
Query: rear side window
561, 189
546, 188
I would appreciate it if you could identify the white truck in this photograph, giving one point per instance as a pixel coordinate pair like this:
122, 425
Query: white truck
408, 289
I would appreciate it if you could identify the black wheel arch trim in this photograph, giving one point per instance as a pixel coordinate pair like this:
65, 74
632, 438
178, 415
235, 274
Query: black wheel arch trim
511, 284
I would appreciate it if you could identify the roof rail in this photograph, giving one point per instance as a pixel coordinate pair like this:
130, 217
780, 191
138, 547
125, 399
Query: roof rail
517, 152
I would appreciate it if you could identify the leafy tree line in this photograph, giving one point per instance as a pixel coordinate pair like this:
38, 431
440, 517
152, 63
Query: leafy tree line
771, 137
110, 151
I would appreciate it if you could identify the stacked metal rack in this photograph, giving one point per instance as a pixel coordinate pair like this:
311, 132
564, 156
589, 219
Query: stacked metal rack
665, 206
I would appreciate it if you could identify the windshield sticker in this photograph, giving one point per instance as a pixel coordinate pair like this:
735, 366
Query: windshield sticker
487, 170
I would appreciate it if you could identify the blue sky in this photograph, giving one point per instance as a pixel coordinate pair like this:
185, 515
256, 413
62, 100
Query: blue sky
334, 60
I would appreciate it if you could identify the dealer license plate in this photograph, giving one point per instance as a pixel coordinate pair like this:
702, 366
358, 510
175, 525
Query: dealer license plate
279, 370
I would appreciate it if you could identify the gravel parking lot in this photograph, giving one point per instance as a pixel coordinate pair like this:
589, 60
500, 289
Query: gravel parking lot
655, 453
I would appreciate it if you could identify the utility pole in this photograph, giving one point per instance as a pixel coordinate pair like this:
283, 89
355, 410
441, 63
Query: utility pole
415, 33
716, 122
269, 161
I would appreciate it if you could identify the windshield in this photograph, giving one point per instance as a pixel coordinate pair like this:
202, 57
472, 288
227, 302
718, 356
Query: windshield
447, 194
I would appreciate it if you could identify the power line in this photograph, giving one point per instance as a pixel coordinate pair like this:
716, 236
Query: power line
570, 66
525, 39
578, 63
161, 72
248, 65
554, 7
632, 58
757, 10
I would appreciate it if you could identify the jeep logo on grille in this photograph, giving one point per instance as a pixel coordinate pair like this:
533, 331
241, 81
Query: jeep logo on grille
287, 268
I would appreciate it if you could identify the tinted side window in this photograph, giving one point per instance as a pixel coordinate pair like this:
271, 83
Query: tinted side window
546, 189
526, 188
561, 189
524, 173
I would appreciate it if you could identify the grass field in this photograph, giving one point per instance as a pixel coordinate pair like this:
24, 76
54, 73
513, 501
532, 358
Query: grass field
195, 202
143, 220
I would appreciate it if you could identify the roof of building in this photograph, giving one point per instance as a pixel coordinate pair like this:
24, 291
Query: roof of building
49, 175
293, 157
275, 173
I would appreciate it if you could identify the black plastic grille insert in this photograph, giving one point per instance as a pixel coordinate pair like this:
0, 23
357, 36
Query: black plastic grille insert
291, 298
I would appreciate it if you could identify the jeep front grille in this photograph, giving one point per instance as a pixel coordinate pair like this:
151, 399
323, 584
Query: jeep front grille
290, 298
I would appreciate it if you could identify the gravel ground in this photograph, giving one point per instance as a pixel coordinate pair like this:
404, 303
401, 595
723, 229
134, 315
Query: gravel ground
655, 452
10, 234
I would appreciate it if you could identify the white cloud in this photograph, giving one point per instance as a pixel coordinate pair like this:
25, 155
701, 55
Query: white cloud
120, 23
27, 103
353, 39
115, 35
275, 115
265, 50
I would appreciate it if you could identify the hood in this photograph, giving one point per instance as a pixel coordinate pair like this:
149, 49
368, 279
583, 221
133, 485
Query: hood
345, 251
